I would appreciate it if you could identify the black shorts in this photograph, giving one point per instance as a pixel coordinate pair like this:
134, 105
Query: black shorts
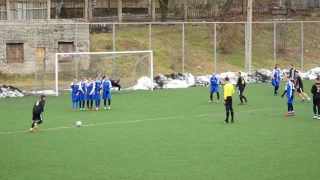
115, 84
228, 102
37, 116
299, 90
316, 101
240, 91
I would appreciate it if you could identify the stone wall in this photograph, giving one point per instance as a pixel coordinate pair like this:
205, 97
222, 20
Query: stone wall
42, 34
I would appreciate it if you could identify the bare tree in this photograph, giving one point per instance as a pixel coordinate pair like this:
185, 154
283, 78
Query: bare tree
283, 38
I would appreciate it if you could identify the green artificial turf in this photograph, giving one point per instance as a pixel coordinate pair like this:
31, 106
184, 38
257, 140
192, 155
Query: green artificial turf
164, 134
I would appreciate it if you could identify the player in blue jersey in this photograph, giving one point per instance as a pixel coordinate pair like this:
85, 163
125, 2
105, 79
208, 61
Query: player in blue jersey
75, 94
275, 79
82, 93
289, 92
90, 93
98, 83
106, 93
214, 84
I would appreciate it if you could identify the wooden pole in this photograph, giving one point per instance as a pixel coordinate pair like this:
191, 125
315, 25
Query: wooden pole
48, 9
119, 11
185, 11
85, 12
153, 10
8, 9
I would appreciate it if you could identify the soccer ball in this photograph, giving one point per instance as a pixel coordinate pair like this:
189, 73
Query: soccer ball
78, 123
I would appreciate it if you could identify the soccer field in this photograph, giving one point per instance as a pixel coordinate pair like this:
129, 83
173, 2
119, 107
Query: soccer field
164, 134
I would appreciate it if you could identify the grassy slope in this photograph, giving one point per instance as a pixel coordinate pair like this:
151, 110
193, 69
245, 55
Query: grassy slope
166, 43
187, 141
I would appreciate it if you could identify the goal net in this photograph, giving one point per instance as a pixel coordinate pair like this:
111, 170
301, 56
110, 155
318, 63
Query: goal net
126, 66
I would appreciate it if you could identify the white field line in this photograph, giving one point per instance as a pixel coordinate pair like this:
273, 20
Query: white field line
151, 119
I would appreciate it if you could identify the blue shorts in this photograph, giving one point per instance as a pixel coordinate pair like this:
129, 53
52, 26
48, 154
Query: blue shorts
74, 97
82, 97
106, 95
97, 96
290, 101
274, 82
214, 89
90, 97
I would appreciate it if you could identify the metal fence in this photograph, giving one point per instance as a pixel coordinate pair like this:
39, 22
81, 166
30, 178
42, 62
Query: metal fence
180, 46
195, 47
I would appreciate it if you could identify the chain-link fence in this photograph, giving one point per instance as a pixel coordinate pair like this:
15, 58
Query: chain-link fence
27, 49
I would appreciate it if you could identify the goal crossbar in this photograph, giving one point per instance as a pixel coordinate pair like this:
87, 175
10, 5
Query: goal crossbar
92, 53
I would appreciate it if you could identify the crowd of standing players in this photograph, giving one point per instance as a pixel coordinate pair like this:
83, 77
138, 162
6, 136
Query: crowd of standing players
88, 91
293, 83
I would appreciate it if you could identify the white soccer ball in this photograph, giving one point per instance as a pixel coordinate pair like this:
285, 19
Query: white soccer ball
78, 123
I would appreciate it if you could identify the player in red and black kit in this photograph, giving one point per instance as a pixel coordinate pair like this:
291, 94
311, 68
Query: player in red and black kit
299, 87
315, 90
241, 83
292, 73
37, 111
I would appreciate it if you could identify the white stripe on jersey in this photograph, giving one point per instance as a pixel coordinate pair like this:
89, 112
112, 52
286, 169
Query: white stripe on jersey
291, 87
272, 74
110, 85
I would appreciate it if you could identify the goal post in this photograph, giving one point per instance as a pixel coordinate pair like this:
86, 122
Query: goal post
129, 65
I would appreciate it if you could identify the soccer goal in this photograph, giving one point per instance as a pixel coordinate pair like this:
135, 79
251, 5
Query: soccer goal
128, 66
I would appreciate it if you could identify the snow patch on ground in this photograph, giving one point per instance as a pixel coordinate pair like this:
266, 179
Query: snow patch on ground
178, 80
10, 91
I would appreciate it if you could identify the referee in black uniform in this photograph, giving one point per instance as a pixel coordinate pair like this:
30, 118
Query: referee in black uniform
37, 111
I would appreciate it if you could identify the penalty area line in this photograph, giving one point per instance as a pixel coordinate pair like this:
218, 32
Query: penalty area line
144, 120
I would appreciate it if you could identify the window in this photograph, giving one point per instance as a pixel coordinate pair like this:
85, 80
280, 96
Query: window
14, 53
28, 10
65, 47
3, 12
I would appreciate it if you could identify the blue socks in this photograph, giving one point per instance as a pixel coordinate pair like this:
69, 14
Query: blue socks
75, 105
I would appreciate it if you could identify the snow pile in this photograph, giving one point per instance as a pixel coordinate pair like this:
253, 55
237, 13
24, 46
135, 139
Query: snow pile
178, 80
175, 80
144, 83
10, 91
311, 74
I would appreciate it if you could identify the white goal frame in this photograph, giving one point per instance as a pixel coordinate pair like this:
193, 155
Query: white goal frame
91, 53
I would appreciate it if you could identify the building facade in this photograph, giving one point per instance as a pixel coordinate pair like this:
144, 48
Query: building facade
29, 46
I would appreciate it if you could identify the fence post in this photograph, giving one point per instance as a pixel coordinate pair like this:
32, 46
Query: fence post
35, 59
274, 44
215, 47
76, 49
183, 48
248, 58
113, 49
150, 36
150, 47
245, 45
302, 46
